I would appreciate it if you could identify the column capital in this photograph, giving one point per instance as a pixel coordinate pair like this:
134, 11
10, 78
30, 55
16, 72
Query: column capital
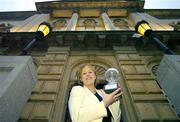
103, 10
75, 11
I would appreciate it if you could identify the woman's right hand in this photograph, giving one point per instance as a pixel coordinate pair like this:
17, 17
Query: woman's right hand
108, 99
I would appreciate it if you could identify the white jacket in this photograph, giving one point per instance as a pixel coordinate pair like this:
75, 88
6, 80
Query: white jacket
85, 107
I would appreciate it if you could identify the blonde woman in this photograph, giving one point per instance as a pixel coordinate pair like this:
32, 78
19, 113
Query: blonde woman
87, 104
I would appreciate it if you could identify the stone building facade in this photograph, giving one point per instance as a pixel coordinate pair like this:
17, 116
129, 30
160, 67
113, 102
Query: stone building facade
101, 33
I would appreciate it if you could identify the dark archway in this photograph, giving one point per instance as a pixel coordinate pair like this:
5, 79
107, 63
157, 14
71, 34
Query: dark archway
100, 69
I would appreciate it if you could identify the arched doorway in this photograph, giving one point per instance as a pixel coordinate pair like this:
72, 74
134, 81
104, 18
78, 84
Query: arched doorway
100, 68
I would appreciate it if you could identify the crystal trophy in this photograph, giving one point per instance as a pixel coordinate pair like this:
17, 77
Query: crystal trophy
112, 76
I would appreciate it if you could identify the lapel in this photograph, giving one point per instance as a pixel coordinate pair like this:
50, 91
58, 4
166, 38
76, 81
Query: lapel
113, 108
90, 94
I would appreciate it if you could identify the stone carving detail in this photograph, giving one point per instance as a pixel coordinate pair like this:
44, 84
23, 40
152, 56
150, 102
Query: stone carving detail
154, 69
121, 23
99, 70
59, 23
5, 27
90, 24
176, 25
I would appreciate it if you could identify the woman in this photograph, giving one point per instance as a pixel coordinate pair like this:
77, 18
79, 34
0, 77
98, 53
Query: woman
87, 104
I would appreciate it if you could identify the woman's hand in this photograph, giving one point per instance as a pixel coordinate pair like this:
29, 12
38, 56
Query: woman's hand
108, 99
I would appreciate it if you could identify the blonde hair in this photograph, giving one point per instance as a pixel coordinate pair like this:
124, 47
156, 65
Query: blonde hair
79, 72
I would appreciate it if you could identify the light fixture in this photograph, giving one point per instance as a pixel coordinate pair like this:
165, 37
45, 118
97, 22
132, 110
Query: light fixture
43, 30
144, 29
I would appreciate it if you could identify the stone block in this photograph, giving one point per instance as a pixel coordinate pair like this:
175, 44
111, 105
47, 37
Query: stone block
128, 69
55, 70
42, 112
43, 69
166, 112
49, 57
168, 76
58, 57
50, 87
131, 62
43, 97
17, 79
134, 57
61, 57
146, 112
152, 86
141, 69
123, 57
136, 87
143, 86
26, 112
49, 69
155, 112
49, 77
139, 77
38, 87
149, 98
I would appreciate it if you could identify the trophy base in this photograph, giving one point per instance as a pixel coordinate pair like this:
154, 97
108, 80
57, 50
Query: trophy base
109, 88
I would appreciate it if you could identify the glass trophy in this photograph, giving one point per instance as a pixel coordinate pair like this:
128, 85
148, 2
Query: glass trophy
112, 76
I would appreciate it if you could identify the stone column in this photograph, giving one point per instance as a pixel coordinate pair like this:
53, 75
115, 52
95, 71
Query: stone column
107, 22
31, 24
155, 23
72, 23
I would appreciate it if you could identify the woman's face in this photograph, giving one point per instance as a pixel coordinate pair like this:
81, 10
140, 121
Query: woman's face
87, 76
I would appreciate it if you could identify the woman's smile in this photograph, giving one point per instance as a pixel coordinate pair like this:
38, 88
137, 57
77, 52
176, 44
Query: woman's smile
88, 76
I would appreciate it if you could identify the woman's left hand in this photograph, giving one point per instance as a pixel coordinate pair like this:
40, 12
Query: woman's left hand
108, 99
